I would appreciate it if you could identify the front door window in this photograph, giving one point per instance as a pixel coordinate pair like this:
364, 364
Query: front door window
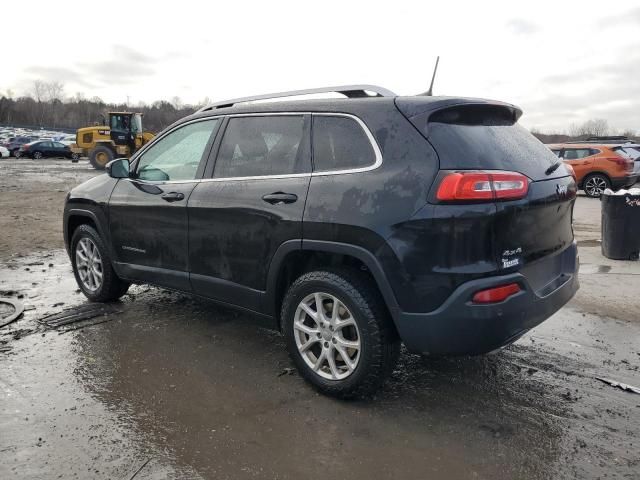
177, 155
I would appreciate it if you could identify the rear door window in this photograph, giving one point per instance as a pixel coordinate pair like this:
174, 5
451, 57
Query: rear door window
262, 145
340, 143
578, 153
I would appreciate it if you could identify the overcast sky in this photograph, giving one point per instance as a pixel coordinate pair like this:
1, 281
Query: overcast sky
561, 61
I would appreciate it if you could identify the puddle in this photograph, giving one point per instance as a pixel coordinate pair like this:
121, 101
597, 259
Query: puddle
196, 390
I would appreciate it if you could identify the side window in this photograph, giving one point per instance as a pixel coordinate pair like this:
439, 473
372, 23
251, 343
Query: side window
340, 143
257, 146
177, 155
556, 152
576, 153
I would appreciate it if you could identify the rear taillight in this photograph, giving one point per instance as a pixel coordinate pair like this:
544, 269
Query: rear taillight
25, 147
620, 161
465, 186
496, 294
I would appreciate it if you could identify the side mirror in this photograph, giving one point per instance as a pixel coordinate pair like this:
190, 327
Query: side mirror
118, 168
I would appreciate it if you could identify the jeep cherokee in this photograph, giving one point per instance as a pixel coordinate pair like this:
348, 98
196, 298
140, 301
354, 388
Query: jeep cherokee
351, 224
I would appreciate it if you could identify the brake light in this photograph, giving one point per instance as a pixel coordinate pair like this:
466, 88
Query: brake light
621, 161
460, 186
25, 147
496, 294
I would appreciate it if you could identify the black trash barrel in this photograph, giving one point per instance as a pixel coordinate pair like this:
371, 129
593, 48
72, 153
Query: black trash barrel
621, 226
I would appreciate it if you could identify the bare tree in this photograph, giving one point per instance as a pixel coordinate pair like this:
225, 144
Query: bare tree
629, 133
595, 127
204, 102
46, 105
176, 102
54, 93
39, 92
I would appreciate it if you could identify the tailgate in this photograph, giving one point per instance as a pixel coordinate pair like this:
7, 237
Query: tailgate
486, 138
537, 226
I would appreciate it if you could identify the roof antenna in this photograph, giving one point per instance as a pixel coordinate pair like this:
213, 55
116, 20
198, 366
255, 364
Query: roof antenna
429, 93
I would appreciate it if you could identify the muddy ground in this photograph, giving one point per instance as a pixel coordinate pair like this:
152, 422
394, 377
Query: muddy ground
173, 387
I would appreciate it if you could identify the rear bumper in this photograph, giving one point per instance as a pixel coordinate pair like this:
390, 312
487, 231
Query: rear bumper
624, 182
460, 327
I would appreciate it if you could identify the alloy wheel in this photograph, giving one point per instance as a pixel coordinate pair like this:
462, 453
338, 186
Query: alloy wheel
89, 264
37, 155
327, 336
595, 186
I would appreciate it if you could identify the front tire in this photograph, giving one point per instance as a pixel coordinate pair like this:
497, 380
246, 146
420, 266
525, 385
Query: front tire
92, 267
17, 154
100, 156
595, 185
338, 333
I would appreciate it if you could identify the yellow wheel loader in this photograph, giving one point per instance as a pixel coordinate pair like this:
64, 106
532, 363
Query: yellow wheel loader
120, 138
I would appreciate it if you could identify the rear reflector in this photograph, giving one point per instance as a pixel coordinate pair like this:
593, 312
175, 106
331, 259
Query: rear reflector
461, 186
496, 294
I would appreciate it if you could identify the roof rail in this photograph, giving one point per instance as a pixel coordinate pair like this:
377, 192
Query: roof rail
349, 91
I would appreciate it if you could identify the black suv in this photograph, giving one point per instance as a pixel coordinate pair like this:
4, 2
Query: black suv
352, 224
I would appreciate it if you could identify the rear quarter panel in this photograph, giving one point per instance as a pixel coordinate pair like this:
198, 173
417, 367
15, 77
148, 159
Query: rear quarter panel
365, 209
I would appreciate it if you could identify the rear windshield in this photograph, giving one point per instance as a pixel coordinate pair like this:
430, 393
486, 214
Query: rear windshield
630, 152
492, 147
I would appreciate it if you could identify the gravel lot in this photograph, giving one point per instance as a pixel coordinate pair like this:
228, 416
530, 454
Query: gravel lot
182, 388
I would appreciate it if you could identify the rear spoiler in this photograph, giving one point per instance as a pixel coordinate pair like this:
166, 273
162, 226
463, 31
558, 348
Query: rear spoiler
420, 110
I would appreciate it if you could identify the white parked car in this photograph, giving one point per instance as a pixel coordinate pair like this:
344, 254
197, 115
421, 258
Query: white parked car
68, 140
4, 153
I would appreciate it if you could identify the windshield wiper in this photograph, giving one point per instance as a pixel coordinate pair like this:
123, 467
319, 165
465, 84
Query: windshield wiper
553, 168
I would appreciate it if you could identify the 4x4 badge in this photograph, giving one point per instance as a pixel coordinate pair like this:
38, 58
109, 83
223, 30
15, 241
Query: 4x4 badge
561, 190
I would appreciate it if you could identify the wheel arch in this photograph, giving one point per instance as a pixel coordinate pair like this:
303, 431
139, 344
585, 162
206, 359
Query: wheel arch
295, 257
76, 217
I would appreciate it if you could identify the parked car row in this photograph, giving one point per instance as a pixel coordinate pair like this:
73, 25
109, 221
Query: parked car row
601, 166
45, 149
35, 143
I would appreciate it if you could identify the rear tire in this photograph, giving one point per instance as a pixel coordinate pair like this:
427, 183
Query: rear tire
315, 340
37, 155
17, 153
100, 156
595, 185
99, 284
